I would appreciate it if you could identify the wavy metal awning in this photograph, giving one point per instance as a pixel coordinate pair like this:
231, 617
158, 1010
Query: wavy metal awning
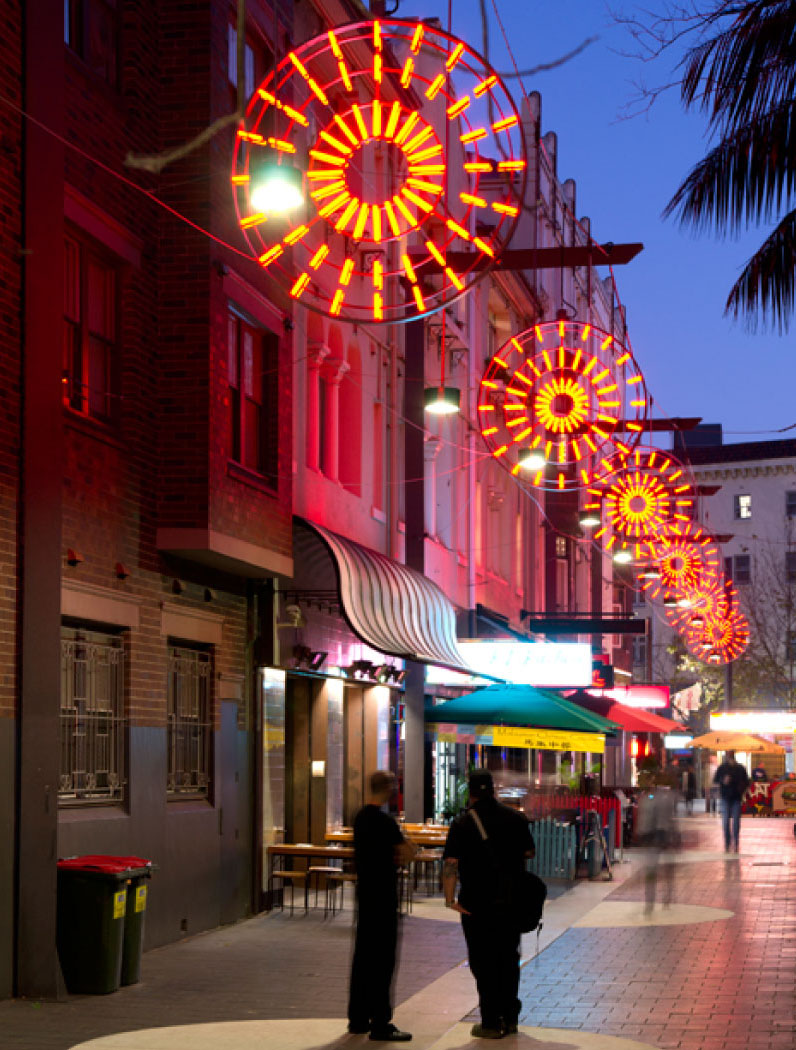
389, 606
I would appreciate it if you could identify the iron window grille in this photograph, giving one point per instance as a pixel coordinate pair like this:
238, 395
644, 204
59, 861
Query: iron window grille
93, 721
189, 722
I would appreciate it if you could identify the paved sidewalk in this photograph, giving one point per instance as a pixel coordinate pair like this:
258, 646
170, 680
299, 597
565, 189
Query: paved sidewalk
716, 970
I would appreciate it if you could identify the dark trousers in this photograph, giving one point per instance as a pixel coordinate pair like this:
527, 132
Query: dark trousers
731, 820
375, 946
493, 948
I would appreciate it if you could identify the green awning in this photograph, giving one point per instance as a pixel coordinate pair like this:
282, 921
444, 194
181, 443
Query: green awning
519, 705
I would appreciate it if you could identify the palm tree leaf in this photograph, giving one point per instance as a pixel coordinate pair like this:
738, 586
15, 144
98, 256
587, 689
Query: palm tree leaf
745, 178
745, 68
767, 283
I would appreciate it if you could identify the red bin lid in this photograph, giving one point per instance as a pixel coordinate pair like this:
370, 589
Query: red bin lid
101, 862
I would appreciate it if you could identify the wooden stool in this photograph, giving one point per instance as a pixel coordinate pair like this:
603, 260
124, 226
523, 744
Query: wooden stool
330, 885
431, 862
340, 878
292, 877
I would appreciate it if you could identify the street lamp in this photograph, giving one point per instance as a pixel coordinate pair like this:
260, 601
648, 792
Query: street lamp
531, 459
623, 556
277, 188
589, 520
441, 401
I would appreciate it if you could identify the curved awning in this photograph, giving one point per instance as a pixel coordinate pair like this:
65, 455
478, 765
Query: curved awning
389, 606
519, 705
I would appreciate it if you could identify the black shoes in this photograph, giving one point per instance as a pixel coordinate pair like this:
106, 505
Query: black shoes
390, 1034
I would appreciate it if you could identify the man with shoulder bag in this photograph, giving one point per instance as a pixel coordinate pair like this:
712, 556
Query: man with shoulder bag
485, 853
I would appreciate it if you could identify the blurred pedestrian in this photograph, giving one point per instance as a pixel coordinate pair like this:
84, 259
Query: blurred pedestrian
485, 852
379, 850
688, 787
656, 825
733, 780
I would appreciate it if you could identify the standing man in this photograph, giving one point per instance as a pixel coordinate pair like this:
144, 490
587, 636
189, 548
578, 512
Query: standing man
733, 781
487, 870
379, 850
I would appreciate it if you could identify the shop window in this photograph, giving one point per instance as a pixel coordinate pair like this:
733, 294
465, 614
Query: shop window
91, 30
93, 717
253, 405
91, 341
189, 722
742, 506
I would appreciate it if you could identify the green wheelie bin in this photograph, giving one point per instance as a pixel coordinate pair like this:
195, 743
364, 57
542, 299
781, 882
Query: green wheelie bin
93, 900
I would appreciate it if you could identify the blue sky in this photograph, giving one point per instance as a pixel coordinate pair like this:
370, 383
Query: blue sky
696, 361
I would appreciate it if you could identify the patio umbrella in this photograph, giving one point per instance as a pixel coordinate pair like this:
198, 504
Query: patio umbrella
519, 705
726, 740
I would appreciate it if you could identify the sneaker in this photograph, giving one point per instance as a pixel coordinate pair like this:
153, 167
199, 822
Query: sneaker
482, 1031
390, 1034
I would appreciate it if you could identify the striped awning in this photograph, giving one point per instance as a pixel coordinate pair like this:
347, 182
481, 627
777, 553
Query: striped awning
389, 606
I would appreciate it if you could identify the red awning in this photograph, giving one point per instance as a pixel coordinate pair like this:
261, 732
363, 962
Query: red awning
631, 719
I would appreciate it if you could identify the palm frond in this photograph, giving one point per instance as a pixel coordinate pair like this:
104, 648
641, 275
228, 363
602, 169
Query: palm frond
767, 285
745, 178
746, 67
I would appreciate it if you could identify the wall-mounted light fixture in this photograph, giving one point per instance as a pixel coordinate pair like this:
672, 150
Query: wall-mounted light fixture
442, 401
318, 767
73, 557
121, 571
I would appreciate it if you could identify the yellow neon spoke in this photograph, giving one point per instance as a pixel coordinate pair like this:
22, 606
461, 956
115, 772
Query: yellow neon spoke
253, 220
409, 123
484, 247
336, 143
468, 198
511, 165
506, 123
396, 229
377, 67
300, 285
406, 72
417, 39
392, 123
399, 204
409, 270
345, 76
473, 136
273, 253
347, 215
346, 272
332, 206
428, 187
505, 209
376, 222
349, 134
378, 274
418, 140
296, 235
458, 230
318, 92
458, 107
319, 256
362, 218
375, 115
474, 166
363, 131
432, 151
454, 279
337, 302
454, 56
485, 85
327, 191
434, 87
323, 174
378, 311
334, 44
327, 157
240, 180
436, 252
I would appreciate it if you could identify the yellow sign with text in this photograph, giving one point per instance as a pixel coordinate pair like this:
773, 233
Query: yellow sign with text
547, 739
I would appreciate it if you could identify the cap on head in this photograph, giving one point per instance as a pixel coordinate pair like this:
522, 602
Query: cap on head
481, 784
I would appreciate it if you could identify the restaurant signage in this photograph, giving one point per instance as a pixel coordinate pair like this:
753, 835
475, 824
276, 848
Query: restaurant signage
520, 736
544, 664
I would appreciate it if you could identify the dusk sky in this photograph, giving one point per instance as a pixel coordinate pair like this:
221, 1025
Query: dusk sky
697, 362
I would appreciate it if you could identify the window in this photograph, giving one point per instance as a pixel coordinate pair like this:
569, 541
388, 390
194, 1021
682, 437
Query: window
92, 717
189, 722
91, 349
742, 506
742, 568
790, 647
639, 651
790, 566
790, 504
91, 30
562, 550
251, 369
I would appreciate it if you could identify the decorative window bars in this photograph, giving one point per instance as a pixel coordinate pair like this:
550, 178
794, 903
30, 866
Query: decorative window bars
93, 718
189, 722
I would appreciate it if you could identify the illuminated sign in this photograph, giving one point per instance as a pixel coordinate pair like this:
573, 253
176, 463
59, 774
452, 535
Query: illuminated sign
637, 695
520, 736
755, 721
674, 741
551, 664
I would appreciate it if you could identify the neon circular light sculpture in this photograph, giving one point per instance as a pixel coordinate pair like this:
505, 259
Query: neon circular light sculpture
641, 496
687, 560
707, 603
566, 392
721, 640
407, 131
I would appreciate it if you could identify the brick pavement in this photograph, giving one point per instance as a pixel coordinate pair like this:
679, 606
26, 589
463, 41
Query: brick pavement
717, 985
724, 985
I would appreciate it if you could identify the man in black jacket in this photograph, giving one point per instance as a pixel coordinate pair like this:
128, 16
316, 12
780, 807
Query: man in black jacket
733, 781
379, 849
487, 870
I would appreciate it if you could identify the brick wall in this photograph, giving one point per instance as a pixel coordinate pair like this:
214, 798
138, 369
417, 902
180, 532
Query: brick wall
10, 336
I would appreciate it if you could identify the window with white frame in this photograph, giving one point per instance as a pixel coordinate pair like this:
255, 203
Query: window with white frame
253, 396
742, 506
93, 717
189, 721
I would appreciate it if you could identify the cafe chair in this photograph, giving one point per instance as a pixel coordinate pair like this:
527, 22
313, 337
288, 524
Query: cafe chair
427, 865
326, 872
337, 880
289, 877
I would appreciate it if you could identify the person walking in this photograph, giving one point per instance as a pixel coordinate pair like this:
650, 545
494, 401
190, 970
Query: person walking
732, 780
485, 853
379, 850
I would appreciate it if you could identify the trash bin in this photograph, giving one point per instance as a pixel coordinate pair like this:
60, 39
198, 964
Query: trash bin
137, 892
93, 894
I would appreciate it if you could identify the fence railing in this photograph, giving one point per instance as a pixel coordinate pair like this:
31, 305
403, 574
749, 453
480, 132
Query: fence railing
556, 849
542, 805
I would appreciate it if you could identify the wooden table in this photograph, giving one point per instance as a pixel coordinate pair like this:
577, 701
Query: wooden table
431, 838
